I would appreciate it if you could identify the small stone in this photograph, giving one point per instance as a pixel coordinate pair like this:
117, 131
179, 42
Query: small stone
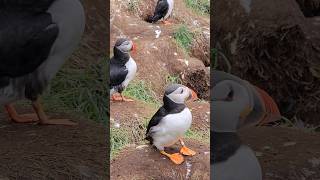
258, 154
289, 144
117, 125
267, 148
141, 146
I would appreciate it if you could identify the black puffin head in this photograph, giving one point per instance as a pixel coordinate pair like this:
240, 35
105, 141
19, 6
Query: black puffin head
123, 45
175, 96
121, 50
178, 93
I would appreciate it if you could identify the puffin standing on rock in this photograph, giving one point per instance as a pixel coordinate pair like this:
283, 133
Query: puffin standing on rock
236, 104
171, 122
36, 37
162, 11
123, 68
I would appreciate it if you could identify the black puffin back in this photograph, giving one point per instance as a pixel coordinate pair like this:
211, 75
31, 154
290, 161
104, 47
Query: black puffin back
169, 107
118, 70
223, 145
26, 39
26, 5
27, 34
160, 11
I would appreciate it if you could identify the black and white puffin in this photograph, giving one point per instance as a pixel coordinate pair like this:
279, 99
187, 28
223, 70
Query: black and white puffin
171, 122
236, 104
36, 38
123, 68
163, 10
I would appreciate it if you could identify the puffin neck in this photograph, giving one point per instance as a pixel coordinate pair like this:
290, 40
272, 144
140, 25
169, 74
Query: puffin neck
223, 145
171, 106
122, 57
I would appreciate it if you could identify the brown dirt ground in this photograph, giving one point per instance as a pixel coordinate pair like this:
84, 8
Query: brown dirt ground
145, 162
31, 151
300, 159
131, 119
154, 54
137, 110
275, 47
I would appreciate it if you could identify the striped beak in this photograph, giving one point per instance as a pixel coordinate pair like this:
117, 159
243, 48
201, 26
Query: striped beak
134, 48
193, 95
271, 110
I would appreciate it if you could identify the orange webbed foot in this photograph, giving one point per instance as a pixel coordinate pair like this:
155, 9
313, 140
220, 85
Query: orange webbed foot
126, 99
166, 23
64, 122
25, 118
116, 98
176, 158
20, 118
186, 151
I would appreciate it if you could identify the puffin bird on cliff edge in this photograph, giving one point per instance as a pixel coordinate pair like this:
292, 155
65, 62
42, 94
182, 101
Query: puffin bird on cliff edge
123, 68
171, 122
236, 104
36, 37
162, 11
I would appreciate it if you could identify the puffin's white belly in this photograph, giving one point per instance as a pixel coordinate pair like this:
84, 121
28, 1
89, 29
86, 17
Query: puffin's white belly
8, 95
132, 69
242, 165
171, 4
171, 128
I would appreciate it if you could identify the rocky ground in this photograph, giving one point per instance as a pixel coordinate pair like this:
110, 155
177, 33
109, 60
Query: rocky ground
159, 57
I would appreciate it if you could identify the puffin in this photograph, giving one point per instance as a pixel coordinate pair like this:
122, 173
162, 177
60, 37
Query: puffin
36, 38
162, 11
123, 68
169, 124
236, 104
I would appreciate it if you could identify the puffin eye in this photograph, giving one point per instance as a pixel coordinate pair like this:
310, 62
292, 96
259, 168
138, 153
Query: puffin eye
230, 96
181, 91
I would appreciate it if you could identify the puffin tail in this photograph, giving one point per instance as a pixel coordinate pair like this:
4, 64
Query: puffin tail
153, 19
148, 138
272, 112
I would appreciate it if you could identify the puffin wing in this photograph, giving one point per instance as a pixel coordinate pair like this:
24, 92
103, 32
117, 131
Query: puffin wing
160, 10
30, 5
118, 73
155, 120
26, 40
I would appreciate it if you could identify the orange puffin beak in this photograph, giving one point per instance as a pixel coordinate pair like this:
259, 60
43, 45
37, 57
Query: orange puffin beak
134, 48
193, 95
272, 112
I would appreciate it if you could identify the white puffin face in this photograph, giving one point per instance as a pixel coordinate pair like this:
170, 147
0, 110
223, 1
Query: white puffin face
124, 45
180, 94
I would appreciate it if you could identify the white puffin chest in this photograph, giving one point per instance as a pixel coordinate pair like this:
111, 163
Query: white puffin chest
171, 4
132, 69
174, 126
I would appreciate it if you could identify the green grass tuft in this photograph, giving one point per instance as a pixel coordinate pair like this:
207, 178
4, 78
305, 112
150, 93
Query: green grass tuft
81, 91
141, 91
198, 135
133, 6
171, 79
200, 6
184, 37
118, 140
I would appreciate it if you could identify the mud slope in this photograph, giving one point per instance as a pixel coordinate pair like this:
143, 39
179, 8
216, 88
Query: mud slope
144, 162
285, 153
157, 57
30, 151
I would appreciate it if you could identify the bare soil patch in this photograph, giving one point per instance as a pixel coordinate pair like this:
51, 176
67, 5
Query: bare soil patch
145, 162
285, 153
31, 151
